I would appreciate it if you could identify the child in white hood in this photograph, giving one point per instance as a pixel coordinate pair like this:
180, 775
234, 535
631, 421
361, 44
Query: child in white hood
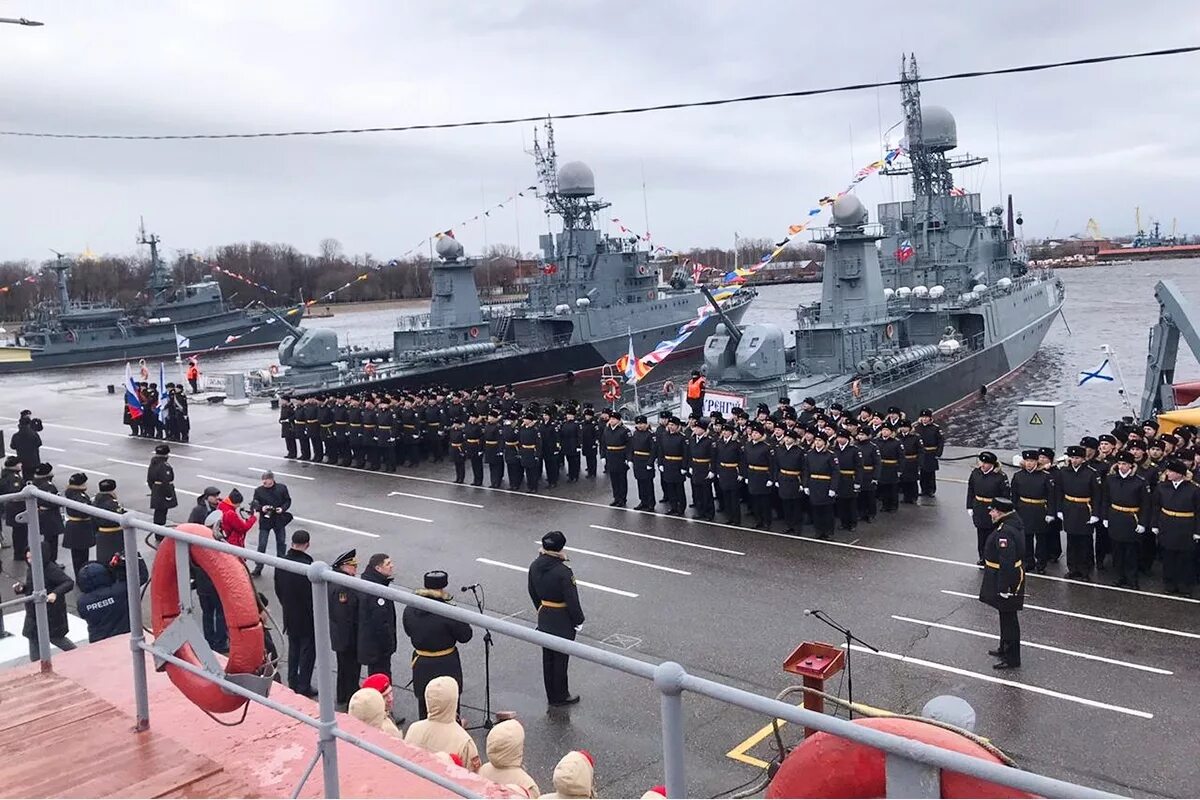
506, 756
574, 776
440, 732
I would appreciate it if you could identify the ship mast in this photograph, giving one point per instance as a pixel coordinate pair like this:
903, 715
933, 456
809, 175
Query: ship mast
160, 274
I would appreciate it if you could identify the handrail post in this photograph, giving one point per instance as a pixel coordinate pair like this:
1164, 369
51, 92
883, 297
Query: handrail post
137, 635
37, 569
668, 679
183, 575
326, 688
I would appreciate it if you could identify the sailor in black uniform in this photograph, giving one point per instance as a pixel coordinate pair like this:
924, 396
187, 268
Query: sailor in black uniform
932, 444
729, 475
850, 469
385, 437
821, 481
891, 454
313, 426
458, 454
1079, 504
435, 639
556, 599
474, 446
589, 437
493, 448
759, 472
551, 448
1174, 511
1036, 502
671, 453
985, 484
910, 467
871, 461
530, 440
615, 446
511, 436
568, 441
1003, 584
1124, 515
700, 451
287, 424
789, 469
343, 628
641, 444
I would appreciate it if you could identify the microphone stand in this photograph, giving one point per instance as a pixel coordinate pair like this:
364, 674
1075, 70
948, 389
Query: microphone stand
488, 723
850, 637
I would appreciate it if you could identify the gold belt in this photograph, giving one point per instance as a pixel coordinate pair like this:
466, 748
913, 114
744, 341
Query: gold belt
1033, 501
326, 424
890, 460
1182, 514
730, 464
991, 564
641, 452
792, 472
673, 458
491, 443
1074, 499
984, 499
757, 468
869, 469
115, 529
846, 471
529, 447
615, 446
435, 653
85, 519
818, 476
911, 458
551, 604
355, 424
700, 460
472, 441
930, 449
1126, 509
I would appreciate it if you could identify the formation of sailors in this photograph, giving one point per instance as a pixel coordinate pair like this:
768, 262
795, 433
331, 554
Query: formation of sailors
171, 424
1125, 499
798, 466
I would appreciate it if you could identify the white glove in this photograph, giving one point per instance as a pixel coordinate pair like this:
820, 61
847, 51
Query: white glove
770, 484
1106, 523
970, 513
857, 487
1049, 518
740, 479
1141, 529
1005, 595
1093, 520
806, 491
660, 467
832, 493
1059, 515
1154, 531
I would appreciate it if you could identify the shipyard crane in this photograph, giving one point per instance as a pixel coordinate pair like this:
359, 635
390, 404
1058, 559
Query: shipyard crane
1177, 316
1093, 229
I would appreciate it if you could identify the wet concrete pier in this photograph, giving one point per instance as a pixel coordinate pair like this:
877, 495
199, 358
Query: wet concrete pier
1106, 695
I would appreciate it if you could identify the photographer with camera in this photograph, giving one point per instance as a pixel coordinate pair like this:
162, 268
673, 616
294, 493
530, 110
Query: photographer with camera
271, 500
104, 599
27, 442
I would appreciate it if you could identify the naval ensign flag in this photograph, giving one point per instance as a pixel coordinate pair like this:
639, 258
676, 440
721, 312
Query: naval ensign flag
1100, 376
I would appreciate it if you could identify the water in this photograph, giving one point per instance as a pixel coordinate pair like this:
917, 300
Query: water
1111, 304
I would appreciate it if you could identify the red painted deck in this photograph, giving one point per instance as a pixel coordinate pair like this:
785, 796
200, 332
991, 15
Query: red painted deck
69, 733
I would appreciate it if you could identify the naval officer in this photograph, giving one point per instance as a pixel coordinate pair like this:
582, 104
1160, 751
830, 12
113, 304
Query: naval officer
556, 598
1003, 585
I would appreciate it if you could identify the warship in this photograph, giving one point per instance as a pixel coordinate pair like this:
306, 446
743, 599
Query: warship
177, 319
922, 309
593, 299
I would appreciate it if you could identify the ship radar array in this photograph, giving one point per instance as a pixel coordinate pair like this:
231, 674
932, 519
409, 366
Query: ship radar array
753, 98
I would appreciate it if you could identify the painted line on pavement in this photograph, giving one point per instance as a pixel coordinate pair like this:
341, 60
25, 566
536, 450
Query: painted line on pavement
605, 506
386, 513
625, 560
261, 470
596, 586
81, 469
335, 527
227, 480
89, 441
1092, 618
435, 499
130, 463
668, 541
1024, 643
1026, 687
185, 458
55, 449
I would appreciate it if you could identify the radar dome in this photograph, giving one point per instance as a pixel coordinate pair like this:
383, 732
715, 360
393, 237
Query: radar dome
939, 131
848, 211
575, 179
449, 248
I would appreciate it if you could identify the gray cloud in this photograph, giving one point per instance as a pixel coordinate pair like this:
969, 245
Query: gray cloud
1078, 143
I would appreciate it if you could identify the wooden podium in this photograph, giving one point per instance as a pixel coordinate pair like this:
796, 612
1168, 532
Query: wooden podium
815, 662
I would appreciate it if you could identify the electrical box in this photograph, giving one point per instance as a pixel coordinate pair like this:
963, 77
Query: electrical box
1040, 424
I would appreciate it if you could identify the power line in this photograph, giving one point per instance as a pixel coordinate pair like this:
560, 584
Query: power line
612, 112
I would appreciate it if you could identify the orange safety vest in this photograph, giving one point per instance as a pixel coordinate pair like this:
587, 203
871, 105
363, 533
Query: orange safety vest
192, 372
695, 388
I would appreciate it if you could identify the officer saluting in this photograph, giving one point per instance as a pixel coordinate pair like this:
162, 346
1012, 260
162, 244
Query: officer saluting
435, 639
1003, 586
554, 595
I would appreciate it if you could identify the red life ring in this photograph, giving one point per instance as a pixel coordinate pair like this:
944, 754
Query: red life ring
474, 333
274, 370
668, 387
889, 330
232, 582
612, 389
828, 766
369, 370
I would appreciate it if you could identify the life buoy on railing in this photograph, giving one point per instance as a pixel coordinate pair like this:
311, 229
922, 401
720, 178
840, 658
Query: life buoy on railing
889, 331
643, 270
232, 582
856, 388
612, 389
274, 370
474, 332
668, 387
369, 370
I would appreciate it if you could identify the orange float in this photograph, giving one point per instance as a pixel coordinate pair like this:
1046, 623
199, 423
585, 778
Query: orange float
232, 582
824, 765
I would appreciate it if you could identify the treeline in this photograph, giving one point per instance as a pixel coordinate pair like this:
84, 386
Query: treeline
279, 274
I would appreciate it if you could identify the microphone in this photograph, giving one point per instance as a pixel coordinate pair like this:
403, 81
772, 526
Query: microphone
808, 612
469, 588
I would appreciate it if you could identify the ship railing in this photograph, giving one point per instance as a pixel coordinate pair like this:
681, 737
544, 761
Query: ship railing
876, 385
913, 769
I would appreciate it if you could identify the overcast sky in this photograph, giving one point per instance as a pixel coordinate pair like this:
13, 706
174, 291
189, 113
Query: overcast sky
1073, 144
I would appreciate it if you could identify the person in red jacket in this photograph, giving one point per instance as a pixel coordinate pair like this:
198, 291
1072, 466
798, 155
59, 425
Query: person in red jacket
233, 524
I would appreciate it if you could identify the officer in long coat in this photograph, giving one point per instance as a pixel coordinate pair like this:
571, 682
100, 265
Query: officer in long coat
789, 469
11, 482
910, 467
589, 438
615, 445
79, 533
110, 537
160, 477
1174, 511
850, 468
759, 471
821, 480
700, 451
932, 444
1124, 516
50, 519
568, 438
1079, 498
641, 454
1036, 502
1003, 584
891, 454
287, 424
554, 594
343, 628
871, 462
529, 437
985, 484
671, 454
493, 448
435, 640
728, 457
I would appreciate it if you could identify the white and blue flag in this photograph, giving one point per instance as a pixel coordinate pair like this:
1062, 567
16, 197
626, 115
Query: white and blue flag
1100, 376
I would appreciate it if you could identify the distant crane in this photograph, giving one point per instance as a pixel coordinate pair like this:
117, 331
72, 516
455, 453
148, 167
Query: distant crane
1093, 229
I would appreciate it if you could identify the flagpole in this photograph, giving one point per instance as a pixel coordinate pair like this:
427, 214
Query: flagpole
178, 356
637, 406
1112, 354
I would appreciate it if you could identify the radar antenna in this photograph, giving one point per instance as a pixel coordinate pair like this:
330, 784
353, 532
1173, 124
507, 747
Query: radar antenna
161, 277
576, 209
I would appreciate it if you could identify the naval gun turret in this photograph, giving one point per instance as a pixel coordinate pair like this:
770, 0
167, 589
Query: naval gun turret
753, 352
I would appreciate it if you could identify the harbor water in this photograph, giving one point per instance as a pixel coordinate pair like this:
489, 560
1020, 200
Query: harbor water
1108, 304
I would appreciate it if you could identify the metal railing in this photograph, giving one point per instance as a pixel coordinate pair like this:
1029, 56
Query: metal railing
912, 767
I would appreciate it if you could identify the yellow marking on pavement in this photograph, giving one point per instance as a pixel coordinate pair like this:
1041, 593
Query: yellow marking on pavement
738, 753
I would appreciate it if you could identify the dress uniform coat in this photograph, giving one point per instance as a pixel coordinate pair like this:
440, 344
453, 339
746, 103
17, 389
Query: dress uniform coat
1124, 510
353, 457
11, 482
1079, 496
891, 455
287, 427
615, 443
1174, 510
385, 439
789, 471
530, 439
700, 451
50, 518
160, 476
850, 471
340, 451
551, 451
493, 453
457, 438
370, 440
325, 421
435, 641
589, 437
343, 638
410, 435
1003, 584
982, 489
110, 537
728, 457
641, 454
671, 453
376, 627
554, 594
821, 480
511, 436
760, 473
871, 463
932, 445
433, 422
1035, 498
568, 439
79, 533
910, 469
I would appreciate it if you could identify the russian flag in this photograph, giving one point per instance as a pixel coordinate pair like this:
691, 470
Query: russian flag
131, 396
